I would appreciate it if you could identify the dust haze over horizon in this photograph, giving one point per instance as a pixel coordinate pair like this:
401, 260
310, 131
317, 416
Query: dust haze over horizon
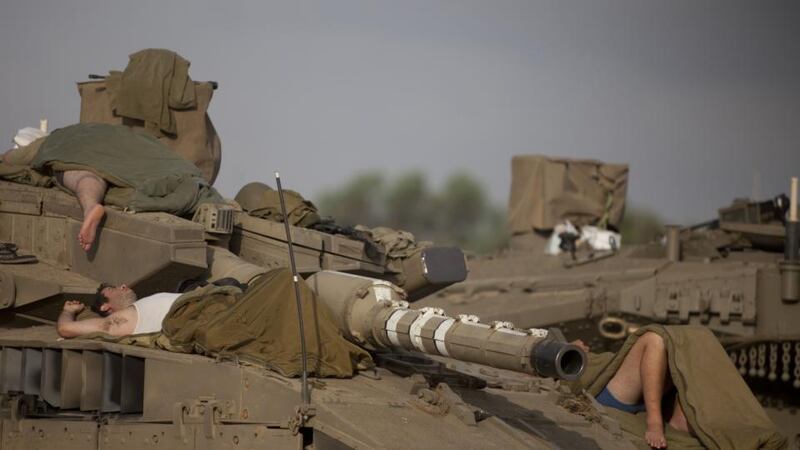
700, 98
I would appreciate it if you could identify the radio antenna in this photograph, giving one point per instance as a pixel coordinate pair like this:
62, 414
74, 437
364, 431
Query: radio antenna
296, 281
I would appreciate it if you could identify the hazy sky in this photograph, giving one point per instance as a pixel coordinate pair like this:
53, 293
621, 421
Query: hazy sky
700, 97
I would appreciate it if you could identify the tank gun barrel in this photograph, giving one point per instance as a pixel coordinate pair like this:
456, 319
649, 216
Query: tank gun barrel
373, 314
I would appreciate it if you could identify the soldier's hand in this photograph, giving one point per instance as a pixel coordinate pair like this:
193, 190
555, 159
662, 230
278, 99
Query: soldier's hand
73, 306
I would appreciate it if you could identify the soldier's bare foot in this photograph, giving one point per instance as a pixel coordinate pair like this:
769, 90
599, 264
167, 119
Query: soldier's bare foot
91, 219
655, 436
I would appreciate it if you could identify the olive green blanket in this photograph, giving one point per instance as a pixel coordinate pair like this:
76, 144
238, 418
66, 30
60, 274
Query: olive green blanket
144, 175
155, 82
260, 200
718, 404
259, 327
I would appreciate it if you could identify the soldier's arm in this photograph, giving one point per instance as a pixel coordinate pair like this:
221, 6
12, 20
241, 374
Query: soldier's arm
117, 324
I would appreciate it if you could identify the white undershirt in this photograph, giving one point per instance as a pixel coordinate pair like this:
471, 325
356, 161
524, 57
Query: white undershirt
152, 310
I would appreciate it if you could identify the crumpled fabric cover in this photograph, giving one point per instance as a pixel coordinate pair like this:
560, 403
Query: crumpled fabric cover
145, 174
397, 245
717, 402
22, 156
259, 327
24, 175
546, 191
266, 204
154, 82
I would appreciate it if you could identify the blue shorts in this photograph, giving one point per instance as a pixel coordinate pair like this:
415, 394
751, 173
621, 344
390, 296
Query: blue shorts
607, 399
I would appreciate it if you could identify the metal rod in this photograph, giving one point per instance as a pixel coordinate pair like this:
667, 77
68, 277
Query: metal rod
793, 202
306, 396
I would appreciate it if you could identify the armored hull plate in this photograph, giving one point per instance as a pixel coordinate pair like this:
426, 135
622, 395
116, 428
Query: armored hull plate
133, 395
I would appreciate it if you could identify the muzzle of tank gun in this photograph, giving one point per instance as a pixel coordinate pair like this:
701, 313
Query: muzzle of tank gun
556, 358
372, 314
429, 330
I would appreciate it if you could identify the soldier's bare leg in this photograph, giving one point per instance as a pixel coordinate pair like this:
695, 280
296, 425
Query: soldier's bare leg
90, 190
642, 375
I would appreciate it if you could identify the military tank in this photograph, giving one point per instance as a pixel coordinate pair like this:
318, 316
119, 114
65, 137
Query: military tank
440, 381
93, 394
736, 274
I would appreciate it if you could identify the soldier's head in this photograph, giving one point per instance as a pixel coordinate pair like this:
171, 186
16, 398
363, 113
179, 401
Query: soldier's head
109, 298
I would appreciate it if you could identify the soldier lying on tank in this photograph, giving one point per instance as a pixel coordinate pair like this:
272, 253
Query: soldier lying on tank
123, 313
640, 384
88, 187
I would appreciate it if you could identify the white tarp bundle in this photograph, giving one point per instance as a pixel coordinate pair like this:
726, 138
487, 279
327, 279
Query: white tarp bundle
27, 135
596, 238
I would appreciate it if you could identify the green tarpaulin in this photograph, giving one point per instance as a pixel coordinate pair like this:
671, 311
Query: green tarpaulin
144, 175
717, 402
154, 82
260, 200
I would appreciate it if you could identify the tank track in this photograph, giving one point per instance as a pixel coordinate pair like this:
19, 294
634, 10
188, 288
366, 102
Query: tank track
771, 369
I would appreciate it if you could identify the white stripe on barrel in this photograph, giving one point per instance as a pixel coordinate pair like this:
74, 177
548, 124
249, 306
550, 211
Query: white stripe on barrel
415, 330
391, 326
439, 335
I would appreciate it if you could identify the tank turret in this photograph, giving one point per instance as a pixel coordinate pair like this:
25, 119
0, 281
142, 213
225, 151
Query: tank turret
736, 274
